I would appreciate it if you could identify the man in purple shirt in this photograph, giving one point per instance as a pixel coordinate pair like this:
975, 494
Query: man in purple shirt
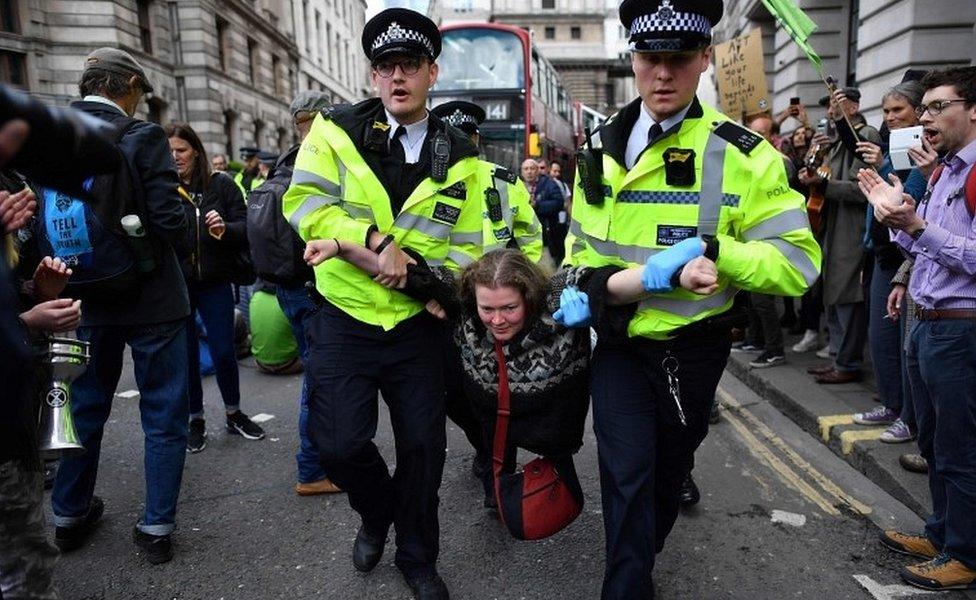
941, 236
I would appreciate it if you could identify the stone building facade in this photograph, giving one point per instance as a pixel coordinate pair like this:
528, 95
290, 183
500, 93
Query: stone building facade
331, 58
867, 43
227, 67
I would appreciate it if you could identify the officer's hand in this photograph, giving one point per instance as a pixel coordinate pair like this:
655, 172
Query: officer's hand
434, 307
658, 269
700, 276
319, 251
574, 309
392, 264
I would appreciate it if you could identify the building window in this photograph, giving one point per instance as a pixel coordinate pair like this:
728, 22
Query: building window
252, 60
318, 36
308, 36
223, 43
13, 68
576, 33
852, 28
9, 16
258, 132
548, 3
145, 28
157, 110
229, 138
550, 33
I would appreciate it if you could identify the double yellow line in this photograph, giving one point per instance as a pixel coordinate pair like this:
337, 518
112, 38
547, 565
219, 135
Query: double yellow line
800, 475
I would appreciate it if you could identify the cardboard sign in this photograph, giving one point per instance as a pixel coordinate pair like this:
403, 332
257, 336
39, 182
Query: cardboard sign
741, 76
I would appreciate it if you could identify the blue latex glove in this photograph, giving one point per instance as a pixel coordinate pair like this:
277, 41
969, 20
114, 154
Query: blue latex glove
659, 268
574, 309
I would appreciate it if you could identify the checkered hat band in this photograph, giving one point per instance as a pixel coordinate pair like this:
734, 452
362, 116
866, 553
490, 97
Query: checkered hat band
458, 118
681, 21
398, 35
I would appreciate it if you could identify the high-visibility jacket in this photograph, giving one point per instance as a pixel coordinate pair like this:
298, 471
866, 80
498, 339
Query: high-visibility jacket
334, 193
740, 194
255, 182
518, 222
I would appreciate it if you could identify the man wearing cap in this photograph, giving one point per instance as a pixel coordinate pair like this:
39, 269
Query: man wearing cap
151, 321
843, 232
277, 252
249, 177
705, 206
385, 174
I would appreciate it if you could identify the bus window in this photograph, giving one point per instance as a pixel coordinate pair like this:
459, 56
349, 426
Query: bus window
535, 75
478, 59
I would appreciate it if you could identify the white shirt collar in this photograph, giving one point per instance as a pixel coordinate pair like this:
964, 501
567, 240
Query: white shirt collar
638, 138
104, 100
646, 120
415, 131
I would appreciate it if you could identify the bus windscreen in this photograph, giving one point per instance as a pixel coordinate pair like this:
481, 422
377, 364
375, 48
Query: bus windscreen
480, 59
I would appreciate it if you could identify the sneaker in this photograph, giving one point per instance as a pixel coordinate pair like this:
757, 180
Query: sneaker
912, 545
808, 343
825, 352
196, 441
898, 433
941, 573
240, 424
769, 358
74, 537
880, 415
746, 347
157, 548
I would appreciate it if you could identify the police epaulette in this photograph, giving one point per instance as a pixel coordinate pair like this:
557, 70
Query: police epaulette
504, 174
327, 112
738, 136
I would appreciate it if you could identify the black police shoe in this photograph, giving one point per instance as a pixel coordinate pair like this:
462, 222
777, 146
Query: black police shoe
428, 587
689, 494
74, 537
157, 548
367, 550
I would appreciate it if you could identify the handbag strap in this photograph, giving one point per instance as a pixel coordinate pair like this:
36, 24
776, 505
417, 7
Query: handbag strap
501, 426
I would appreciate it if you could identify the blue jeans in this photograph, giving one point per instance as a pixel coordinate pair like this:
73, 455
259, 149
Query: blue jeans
159, 354
941, 360
884, 340
297, 306
215, 304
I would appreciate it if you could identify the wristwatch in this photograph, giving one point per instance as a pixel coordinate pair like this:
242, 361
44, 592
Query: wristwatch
711, 247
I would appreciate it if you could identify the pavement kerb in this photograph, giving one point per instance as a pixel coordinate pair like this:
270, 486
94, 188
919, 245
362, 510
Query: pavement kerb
793, 392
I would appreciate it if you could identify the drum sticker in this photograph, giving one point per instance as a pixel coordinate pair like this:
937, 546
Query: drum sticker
669, 235
64, 221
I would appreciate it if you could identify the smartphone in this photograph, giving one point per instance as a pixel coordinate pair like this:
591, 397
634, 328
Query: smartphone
795, 101
899, 143
822, 126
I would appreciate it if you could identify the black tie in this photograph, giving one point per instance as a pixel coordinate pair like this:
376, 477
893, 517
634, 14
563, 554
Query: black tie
654, 133
396, 146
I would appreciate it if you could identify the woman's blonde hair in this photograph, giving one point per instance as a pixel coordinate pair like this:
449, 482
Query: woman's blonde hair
506, 268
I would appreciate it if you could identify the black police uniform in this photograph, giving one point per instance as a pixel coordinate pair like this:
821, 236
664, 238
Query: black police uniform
634, 417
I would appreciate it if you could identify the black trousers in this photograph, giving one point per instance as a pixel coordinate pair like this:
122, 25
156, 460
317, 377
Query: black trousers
644, 450
348, 363
459, 407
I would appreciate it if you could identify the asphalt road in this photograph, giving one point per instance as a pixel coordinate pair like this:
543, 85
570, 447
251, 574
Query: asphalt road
781, 517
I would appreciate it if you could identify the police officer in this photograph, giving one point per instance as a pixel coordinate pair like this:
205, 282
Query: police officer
249, 177
466, 116
386, 174
674, 174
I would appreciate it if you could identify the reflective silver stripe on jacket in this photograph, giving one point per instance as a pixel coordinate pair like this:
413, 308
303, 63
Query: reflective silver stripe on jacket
466, 238
690, 308
798, 258
331, 193
627, 252
460, 258
309, 204
300, 176
777, 225
358, 211
434, 229
713, 174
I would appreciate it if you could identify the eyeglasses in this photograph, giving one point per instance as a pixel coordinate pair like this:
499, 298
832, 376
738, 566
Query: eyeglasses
935, 108
408, 66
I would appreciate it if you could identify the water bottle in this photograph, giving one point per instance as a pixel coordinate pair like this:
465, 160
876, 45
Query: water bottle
139, 243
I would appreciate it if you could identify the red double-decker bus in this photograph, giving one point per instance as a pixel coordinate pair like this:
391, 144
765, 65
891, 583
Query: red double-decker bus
528, 110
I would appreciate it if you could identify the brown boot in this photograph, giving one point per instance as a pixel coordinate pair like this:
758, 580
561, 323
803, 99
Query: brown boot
915, 463
314, 488
912, 545
940, 573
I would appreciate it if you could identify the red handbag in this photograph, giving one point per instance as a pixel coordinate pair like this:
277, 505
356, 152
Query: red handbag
538, 501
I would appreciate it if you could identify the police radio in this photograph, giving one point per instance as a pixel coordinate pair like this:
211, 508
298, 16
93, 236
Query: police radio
440, 151
589, 161
494, 201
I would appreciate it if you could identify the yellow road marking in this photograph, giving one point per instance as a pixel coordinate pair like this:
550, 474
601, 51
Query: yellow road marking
848, 438
822, 480
829, 421
785, 473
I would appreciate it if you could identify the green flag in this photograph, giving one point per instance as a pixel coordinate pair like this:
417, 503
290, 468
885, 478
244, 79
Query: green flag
798, 25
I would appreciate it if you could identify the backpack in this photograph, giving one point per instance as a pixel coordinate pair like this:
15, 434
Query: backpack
87, 235
969, 187
275, 247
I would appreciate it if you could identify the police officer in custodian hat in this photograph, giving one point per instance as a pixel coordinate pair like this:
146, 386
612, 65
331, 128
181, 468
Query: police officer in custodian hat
705, 205
386, 174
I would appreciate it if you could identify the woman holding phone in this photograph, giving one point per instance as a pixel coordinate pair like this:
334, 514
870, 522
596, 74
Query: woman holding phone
884, 334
